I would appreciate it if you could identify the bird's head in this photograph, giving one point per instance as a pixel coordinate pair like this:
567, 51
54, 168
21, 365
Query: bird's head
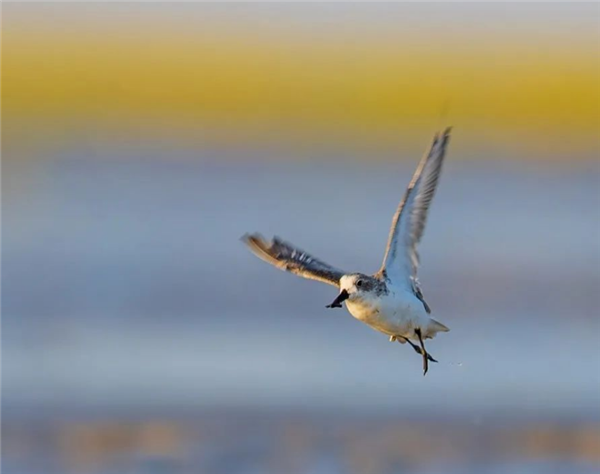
353, 286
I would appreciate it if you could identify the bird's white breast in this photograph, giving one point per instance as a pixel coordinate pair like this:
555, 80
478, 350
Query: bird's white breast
393, 313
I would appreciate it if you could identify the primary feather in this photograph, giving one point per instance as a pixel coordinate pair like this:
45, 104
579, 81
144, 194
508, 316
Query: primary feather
292, 259
401, 260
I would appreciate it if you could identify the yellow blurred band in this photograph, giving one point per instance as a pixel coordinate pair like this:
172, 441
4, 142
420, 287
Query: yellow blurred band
62, 65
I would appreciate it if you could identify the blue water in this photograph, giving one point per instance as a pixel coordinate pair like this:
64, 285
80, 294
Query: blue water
126, 293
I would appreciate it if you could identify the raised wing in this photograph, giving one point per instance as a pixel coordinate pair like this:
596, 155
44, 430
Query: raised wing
289, 258
401, 259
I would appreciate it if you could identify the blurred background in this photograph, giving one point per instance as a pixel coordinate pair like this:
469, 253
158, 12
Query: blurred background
139, 142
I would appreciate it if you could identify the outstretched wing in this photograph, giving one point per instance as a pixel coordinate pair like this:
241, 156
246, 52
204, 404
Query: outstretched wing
401, 259
287, 257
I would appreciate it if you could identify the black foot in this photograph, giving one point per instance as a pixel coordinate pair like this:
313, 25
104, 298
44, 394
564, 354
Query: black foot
418, 350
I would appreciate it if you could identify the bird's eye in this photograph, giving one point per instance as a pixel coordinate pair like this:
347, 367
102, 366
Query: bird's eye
359, 283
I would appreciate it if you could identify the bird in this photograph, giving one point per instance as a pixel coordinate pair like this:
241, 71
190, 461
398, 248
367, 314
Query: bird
391, 300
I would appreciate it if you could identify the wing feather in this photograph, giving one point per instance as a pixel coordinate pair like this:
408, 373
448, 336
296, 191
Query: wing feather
401, 260
292, 259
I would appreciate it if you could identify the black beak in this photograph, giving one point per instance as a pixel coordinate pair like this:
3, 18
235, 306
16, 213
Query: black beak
337, 303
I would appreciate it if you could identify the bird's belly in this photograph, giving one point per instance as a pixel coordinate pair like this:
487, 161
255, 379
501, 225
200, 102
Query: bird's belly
388, 317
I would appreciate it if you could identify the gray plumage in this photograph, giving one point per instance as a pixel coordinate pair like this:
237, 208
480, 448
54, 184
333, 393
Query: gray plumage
285, 256
401, 260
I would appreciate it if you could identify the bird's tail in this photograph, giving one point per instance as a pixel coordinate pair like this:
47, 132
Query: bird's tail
435, 327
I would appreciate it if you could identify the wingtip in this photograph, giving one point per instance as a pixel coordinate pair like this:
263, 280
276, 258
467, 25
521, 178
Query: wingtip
442, 136
250, 239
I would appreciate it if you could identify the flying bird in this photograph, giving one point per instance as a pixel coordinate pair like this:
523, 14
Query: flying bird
391, 300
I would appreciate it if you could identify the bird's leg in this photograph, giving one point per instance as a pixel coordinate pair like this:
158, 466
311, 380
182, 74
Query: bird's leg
424, 352
415, 347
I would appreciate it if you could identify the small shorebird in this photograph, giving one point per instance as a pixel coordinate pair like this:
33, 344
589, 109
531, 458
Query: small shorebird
391, 300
